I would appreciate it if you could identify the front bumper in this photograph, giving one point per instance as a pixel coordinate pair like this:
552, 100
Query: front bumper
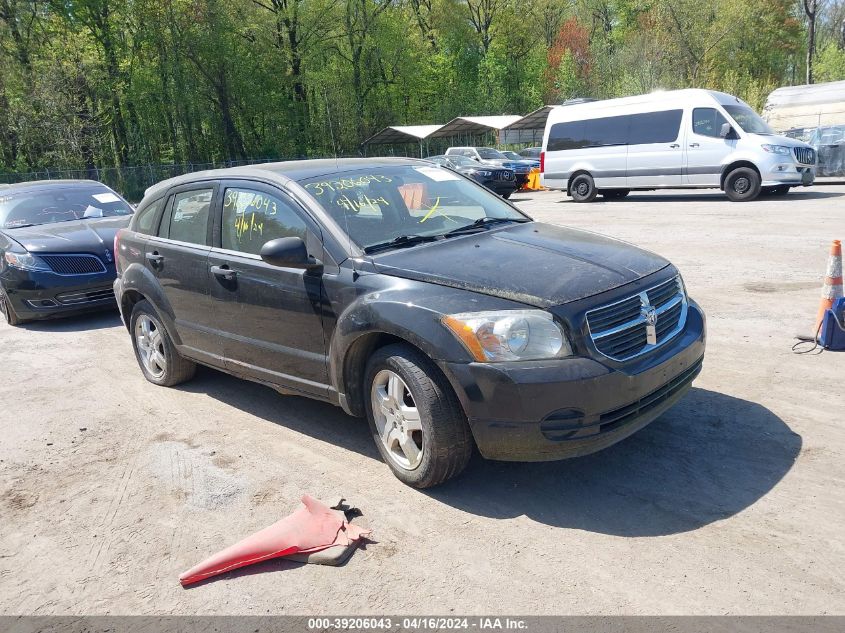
782, 170
41, 295
546, 410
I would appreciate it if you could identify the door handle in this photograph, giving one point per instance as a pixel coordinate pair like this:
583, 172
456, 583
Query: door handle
693, 144
154, 258
674, 145
224, 272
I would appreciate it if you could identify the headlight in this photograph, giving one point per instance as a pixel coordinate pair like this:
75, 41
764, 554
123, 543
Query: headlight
776, 149
509, 335
480, 172
25, 261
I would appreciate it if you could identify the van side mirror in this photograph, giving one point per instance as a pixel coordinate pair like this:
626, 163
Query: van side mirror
727, 131
288, 252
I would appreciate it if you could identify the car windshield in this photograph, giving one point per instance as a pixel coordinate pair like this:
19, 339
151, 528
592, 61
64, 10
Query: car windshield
748, 120
512, 155
49, 206
376, 206
462, 160
490, 154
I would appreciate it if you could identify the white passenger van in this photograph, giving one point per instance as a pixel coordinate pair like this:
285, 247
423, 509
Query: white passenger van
680, 138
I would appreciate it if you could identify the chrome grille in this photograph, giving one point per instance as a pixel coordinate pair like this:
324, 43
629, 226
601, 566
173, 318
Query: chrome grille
74, 264
620, 330
805, 155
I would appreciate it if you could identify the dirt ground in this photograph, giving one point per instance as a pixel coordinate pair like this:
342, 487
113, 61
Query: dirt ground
732, 503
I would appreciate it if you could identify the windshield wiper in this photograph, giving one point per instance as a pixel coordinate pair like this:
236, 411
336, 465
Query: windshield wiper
482, 223
402, 240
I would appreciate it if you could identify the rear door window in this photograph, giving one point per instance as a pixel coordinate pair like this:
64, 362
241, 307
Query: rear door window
707, 122
569, 135
145, 219
187, 220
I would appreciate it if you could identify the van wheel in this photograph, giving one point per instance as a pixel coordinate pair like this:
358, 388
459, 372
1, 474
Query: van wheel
583, 188
614, 194
742, 184
156, 354
415, 417
8, 311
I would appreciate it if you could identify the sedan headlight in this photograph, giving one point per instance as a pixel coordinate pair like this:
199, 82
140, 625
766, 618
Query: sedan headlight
481, 172
25, 261
776, 149
509, 335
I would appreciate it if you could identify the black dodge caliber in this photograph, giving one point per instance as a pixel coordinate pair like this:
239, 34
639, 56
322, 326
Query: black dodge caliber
405, 292
56, 241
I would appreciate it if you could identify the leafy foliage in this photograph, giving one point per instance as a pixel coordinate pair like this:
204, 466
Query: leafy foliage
89, 83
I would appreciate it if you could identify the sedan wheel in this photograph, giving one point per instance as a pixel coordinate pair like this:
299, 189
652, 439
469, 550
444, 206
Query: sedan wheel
150, 346
397, 420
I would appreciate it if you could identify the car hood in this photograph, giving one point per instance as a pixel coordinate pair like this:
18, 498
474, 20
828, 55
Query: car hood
777, 139
533, 263
77, 236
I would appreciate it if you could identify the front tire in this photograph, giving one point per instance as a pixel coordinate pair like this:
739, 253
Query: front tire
7, 310
415, 417
155, 352
583, 188
742, 184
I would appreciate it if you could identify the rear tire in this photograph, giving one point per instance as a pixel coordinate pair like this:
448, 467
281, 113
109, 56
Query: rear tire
8, 311
614, 194
583, 188
155, 352
415, 417
742, 184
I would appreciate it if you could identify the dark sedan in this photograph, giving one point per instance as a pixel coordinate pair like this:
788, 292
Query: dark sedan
56, 247
500, 180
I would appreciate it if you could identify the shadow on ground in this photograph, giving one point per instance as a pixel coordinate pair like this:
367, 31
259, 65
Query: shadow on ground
78, 323
708, 458
710, 196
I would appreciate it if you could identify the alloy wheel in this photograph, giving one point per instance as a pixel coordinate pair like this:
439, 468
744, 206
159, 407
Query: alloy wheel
397, 420
150, 346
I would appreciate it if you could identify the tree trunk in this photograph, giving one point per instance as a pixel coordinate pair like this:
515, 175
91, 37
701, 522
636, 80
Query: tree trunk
810, 8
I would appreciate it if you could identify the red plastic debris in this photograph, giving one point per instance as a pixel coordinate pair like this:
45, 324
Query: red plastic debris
311, 528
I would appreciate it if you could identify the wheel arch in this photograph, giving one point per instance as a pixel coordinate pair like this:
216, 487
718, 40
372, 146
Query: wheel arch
736, 165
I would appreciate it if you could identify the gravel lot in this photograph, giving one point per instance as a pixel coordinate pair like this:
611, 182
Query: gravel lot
731, 503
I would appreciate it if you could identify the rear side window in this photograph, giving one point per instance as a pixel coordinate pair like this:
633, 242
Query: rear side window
253, 218
188, 221
564, 136
612, 130
707, 122
655, 127
633, 129
145, 218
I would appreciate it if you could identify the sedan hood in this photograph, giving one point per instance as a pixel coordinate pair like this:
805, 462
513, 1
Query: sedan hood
77, 236
533, 263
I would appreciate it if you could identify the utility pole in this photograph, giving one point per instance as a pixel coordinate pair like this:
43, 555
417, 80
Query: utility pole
810, 10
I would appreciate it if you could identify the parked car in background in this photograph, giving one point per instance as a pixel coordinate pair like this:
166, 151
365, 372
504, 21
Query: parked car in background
533, 163
531, 152
829, 143
680, 138
498, 179
493, 158
56, 241
406, 293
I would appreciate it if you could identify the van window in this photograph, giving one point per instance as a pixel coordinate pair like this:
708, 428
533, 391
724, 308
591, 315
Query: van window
612, 130
707, 122
655, 127
565, 136
633, 129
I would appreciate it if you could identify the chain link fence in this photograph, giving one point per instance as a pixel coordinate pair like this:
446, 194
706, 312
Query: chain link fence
130, 182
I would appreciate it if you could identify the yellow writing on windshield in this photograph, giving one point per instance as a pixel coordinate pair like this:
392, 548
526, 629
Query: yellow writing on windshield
332, 186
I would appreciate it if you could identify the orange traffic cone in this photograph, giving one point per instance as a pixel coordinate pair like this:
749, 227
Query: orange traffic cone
311, 528
832, 289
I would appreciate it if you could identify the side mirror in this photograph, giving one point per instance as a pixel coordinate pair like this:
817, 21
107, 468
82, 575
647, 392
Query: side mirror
288, 252
727, 131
